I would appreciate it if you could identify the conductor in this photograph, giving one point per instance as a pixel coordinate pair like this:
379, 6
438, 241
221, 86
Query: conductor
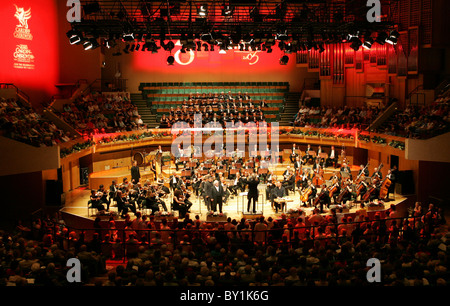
252, 195
135, 174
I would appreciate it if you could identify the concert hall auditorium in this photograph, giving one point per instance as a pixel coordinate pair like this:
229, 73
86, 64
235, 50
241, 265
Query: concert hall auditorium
227, 143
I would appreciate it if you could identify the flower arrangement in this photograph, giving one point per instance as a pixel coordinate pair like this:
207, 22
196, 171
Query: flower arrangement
295, 211
163, 214
397, 144
76, 148
215, 214
379, 140
365, 138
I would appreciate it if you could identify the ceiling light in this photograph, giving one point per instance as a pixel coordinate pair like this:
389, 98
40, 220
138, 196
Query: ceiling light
393, 38
202, 10
368, 43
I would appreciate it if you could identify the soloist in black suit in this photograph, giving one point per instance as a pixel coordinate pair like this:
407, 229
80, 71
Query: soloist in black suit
217, 196
135, 174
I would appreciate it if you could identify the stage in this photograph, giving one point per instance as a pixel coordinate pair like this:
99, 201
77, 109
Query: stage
76, 208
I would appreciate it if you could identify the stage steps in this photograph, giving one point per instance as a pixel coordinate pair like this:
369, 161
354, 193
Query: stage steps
290, 109
145, 112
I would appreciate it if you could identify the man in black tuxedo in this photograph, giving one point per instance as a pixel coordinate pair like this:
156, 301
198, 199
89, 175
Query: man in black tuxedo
332, 158
278, 192
135, 174
113, 188
252, 182
175, 182
363, 170
208, 192
217, 194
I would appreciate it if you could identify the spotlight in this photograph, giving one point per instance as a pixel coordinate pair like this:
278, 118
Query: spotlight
126, 49
356, 43
170, 60
284, 60
321, 48
87, 44
128, 36
169, 46
227, 11
74, 37
381, 39
393, 38
90, 44
202, 10
368, 43
206, 37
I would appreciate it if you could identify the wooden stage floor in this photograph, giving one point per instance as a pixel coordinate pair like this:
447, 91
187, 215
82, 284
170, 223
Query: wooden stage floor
76, 201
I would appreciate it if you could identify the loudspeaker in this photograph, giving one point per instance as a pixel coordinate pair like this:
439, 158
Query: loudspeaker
53, 192
405, 183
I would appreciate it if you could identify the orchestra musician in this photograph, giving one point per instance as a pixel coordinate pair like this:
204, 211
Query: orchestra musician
278, 192
323, 198
112, 193
363, 170
175, 182
332, 158
95, 201
294, 154
307, 196
377, 174
307, 157
298, 164
346, 169
178, 203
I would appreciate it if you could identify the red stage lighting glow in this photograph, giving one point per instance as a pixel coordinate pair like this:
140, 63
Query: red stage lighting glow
232, 62
29, 53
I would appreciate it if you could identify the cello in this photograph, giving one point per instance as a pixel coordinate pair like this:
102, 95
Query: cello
334, 187
305, 195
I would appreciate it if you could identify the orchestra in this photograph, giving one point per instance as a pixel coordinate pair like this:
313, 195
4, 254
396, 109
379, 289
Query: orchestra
316, 181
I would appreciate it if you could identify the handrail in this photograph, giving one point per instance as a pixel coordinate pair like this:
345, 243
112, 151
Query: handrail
414, 91
417, 94
19, 92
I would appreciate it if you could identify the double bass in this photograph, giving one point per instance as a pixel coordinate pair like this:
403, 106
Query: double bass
318, 177
384, 189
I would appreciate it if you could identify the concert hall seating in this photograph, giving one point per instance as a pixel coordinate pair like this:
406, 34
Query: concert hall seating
162, 96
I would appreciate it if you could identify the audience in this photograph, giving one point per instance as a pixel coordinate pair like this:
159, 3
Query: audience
335, 117
417, 257
103, 113
22, 123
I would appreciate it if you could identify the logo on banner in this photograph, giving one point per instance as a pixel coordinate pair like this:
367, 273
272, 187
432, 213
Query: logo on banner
22, 30
23, 57
252, 57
